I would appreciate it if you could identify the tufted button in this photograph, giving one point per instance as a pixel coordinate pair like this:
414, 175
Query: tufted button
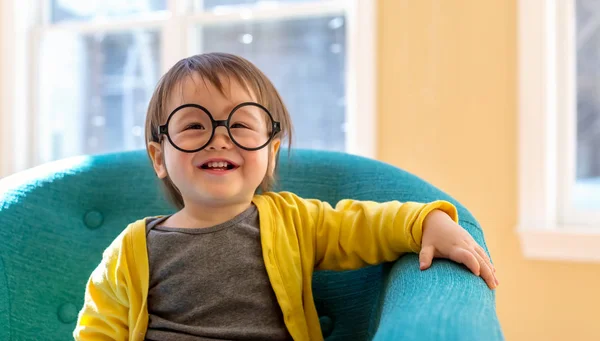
67, 313
326, 325
93, 219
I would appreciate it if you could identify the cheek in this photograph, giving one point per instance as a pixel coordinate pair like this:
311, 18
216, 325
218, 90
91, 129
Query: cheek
177, 163
258, 161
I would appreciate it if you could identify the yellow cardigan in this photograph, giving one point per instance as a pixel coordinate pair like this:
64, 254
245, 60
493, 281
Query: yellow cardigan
297, 236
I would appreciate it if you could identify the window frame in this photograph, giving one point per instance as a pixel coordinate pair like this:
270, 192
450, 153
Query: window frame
548, 227
25, 22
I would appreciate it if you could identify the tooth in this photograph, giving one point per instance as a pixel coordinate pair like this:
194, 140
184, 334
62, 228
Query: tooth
217, 164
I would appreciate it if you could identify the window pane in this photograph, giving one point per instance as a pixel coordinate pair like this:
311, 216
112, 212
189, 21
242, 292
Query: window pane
587, 191
216, 4
305, 59
93, 99
61, 10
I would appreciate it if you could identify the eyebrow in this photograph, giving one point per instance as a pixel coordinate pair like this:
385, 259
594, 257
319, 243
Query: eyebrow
254, 118
226, 112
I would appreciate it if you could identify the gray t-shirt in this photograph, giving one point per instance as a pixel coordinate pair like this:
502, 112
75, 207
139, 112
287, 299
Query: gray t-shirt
211, 283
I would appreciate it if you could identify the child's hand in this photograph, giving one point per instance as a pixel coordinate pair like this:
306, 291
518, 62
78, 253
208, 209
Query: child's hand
443, 238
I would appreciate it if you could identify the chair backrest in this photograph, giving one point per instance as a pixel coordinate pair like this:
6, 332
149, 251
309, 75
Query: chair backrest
56, 219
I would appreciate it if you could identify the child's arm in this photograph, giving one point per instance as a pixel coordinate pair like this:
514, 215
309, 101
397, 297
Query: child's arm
105, 310
356, 233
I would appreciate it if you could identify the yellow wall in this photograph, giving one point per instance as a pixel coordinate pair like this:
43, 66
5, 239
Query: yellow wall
448, 83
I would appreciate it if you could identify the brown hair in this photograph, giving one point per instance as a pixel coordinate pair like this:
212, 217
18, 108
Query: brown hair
211, 67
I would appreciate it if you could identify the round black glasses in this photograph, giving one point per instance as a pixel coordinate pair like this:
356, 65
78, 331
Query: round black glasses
191, 127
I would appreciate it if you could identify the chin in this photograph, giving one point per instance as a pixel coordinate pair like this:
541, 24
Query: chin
224, 196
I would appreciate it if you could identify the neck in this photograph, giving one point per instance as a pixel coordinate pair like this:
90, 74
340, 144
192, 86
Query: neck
195, 215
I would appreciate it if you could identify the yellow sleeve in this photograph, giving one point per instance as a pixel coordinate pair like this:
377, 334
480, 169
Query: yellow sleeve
105, 311
357, 233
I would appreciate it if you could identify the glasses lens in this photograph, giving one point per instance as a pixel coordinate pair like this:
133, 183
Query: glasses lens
190, 128
250, 126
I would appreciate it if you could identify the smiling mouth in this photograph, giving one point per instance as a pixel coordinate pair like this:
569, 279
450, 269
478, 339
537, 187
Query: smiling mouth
218, 165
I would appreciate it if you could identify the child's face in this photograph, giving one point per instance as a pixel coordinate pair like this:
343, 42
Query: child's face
209, 187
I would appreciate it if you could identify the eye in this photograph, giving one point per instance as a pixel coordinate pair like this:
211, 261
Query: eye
239, 125
194, 126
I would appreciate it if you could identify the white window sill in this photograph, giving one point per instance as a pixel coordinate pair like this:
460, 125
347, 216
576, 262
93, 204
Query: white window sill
580, 244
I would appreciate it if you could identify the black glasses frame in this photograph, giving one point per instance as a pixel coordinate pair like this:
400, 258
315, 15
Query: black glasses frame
164, 129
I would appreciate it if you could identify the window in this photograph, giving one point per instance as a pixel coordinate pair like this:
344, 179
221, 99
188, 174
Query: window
585, 190
559, 129
92, 67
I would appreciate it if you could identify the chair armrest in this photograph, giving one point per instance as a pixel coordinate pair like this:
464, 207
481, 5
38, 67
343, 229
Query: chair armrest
445, 302
5, 327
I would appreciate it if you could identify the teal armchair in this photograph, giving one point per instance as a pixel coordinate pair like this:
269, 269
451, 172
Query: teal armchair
56, 219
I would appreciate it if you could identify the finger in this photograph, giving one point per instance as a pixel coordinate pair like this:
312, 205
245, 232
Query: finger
487, 260
467, 258
485, 257
486, 272
425, 257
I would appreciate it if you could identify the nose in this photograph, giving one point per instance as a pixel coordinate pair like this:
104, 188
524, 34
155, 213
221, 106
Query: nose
220, 140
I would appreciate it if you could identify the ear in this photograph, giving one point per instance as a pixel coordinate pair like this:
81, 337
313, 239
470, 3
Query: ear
157, 156
273, 155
